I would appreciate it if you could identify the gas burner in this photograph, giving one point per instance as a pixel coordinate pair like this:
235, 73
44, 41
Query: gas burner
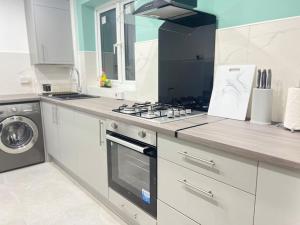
158, 111
130, 110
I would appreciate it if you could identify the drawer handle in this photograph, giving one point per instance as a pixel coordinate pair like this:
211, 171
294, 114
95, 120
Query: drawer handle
209, 162
206, 193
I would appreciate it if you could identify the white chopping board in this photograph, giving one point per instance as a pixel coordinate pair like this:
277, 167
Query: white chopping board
231, 91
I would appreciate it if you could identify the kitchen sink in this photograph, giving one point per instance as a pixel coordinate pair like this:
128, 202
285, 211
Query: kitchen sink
70, 96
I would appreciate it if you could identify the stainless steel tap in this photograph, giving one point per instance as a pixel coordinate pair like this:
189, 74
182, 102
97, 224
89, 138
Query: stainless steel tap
76, 71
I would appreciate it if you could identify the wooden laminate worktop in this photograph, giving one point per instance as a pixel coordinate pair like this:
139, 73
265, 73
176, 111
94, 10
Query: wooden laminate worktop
7, 99
103, 107
265, 143
269, 143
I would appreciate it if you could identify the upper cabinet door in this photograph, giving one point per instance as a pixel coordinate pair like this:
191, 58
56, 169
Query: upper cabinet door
60, 4
49, 31
54, 35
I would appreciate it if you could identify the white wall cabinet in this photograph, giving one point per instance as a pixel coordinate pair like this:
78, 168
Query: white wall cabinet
278, 196
49, 31
77, 141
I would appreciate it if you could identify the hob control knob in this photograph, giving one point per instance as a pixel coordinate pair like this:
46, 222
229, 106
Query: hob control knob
142, 134
114, 126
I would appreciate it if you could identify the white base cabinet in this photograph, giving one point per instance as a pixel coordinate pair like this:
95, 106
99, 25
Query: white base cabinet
77, 141
50, 129
133, 214
205, 200
227, 168
278, 196
169, 216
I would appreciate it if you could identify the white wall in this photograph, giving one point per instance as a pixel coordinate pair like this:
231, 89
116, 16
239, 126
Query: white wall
271, 44
14, 53
13, 35
14, 56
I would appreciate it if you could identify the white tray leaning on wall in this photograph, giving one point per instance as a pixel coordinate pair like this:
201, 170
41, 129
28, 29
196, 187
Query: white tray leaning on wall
232, 90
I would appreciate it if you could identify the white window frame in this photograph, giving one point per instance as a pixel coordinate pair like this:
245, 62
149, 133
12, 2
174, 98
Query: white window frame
120, 19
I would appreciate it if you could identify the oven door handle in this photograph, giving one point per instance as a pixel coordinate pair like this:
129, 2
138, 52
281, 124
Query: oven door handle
126, 144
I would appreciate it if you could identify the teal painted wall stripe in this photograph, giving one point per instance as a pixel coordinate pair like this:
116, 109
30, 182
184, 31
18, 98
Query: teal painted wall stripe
229, 12
240, 12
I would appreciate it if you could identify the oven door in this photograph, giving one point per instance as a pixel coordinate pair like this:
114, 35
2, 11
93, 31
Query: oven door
132, 171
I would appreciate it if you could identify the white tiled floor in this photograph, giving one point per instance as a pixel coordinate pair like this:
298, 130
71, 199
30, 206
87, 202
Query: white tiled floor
42, 195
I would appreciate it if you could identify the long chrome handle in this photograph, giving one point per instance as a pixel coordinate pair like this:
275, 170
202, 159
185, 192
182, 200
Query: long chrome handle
56, 115
43, 52
126, 144
208, 162
100, 133
202, 191
53, 115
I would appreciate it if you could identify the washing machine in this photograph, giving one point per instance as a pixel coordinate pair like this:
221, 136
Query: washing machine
21, 135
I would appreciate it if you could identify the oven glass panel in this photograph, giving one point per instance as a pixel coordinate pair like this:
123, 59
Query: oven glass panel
132, 170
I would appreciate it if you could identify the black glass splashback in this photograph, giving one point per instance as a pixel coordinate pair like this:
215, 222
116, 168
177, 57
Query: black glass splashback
186, 60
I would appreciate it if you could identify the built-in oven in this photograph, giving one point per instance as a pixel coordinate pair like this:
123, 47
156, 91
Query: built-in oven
132, 164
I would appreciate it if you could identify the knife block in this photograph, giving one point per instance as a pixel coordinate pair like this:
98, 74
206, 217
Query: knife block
261, 112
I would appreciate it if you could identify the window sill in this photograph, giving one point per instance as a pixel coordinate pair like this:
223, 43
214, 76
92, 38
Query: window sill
128, 91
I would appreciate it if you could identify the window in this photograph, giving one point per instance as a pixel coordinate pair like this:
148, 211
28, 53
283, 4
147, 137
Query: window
116, 39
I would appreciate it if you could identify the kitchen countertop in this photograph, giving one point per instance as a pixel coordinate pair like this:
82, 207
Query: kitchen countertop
264, 143
103, 107
4, 99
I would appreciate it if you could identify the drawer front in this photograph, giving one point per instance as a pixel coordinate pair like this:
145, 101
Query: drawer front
230, 169
169, 216
205, 200
129, 210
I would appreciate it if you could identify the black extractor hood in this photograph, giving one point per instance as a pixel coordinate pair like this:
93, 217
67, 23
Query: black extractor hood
177, 11
167, 9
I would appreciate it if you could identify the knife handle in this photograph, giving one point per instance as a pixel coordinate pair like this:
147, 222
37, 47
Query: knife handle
264, 79
258, 81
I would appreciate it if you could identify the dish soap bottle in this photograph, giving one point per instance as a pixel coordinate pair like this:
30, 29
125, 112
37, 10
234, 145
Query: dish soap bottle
103, 79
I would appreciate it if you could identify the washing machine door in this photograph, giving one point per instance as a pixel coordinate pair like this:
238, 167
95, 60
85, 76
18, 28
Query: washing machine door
18, 134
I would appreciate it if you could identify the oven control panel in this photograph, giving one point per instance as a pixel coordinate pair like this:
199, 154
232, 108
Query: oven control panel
134, 132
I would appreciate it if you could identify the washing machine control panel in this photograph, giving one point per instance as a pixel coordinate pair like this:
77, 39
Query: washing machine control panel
19, 109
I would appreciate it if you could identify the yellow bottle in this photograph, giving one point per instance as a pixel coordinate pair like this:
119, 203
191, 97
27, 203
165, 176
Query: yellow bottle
103, 79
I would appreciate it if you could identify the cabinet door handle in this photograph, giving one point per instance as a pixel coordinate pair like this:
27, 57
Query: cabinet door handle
202, 191
56, 115
53, 115
100, 133
208, 162
43, 52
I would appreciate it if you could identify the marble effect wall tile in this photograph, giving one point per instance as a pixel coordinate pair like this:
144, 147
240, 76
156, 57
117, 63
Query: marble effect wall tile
275, 45
232, 46
146, 69
272, 44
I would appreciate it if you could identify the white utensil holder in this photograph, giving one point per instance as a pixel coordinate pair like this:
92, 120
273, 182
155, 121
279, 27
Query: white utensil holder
261, 112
